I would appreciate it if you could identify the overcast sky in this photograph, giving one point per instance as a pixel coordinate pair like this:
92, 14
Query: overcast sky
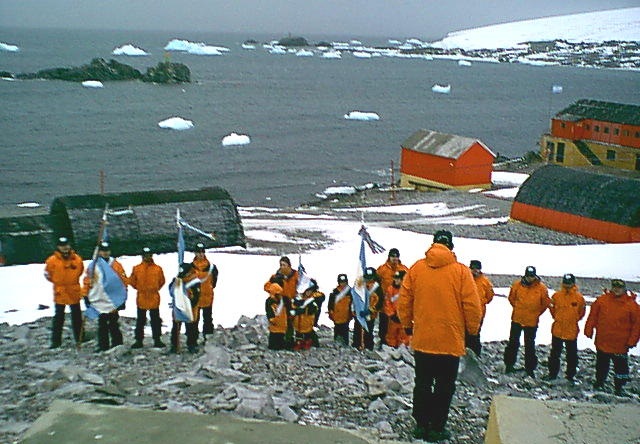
389, 18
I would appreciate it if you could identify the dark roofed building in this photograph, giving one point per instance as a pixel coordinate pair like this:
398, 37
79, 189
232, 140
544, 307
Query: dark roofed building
430, 159
578, 201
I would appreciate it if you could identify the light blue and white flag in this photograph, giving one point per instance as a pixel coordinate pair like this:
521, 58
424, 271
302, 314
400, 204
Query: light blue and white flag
107, 291
304, 281
182, 310
359, 292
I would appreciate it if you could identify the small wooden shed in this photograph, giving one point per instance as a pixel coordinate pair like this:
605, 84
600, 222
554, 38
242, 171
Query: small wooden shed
430, 159
579, 201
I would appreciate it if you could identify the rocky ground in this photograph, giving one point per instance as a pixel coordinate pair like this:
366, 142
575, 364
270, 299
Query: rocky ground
234, 372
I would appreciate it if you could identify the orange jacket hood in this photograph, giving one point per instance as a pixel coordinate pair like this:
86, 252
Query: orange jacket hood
439, 255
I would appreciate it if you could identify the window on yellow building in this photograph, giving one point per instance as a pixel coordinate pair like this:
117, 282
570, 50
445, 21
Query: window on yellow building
611, 155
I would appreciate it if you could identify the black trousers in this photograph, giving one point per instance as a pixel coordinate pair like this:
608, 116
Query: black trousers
141, 321
383, 326
511, 352
207, 320
435, 384
341, 333
276, 341
58, 322
620, 368
557, 345
362, 338
191, 332
473, 342
108, 327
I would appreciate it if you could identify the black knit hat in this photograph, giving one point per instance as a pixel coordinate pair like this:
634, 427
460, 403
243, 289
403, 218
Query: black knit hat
568, 279
530, 271
342, 278
394, 252
62, 241
199, 248
369, 273
104, 246
475, 264
443, 237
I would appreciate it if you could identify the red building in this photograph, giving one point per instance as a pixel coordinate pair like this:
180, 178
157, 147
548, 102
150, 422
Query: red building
435, 160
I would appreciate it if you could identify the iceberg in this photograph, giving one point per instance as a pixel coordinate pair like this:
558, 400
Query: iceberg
176, 123
92, 84
359, 115
194, 48
248, 46
442, 89
235, 139
8, 47
277, 50
362, 54
331, 55
464, 63
28, 205
129, 50
304, 53
394, 42
556, 89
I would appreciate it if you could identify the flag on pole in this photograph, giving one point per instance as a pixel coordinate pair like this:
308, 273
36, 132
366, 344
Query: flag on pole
359, 292
373, 245
182, 310
181, 244
107, 291
304, 281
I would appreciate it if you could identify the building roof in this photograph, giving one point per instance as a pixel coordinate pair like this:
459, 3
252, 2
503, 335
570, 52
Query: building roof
602, 111
584, 193
440, 144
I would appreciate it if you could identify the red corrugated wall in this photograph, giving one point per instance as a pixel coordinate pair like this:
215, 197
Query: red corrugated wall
571, 223
472, 168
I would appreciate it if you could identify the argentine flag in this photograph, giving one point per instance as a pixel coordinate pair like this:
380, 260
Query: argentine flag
304, 281
107, 291
182, 310
359, 290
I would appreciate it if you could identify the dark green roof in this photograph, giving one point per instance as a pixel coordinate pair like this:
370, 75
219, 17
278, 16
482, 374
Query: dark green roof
602, 111
584, 193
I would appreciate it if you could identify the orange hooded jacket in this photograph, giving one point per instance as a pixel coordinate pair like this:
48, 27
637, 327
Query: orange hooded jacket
616, 321
289, 287
528, 302
485, 291
208, 275
386, 271
567, 308
438, 299
148, 278
340, 311
65, 274
276, 309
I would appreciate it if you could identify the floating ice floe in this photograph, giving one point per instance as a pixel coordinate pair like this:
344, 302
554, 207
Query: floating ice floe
442, 89
359, 115
8, 47
464, 63
556, 89
235, 139
304, 53
92, 84
394, 42
332, 55
129, 50
28, 205
176, 123
362, 54
277, 50
355, 42
248, 46
194, 48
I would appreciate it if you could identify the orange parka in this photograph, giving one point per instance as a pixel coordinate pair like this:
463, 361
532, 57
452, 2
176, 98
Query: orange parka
276, 309
340, 304
567, 308
616, 321
148, 278
208, 275
304, 315
289, 287
391, 297
485, 291
438, 299
528, 302
386, 271
65, 274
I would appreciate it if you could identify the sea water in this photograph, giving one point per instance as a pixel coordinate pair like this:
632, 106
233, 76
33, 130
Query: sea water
56, 137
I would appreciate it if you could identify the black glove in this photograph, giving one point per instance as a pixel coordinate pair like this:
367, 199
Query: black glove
409, 331
86, 301
365, 313
395, 318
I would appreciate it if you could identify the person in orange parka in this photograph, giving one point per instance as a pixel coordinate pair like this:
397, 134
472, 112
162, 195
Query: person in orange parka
364, 338
303, 312
340, 309
208, 275
529, 298
567, 308
486, 293
438, 303
385, 274
395, 331
64, 268
276, 308
109, 334
147, 278
616, 318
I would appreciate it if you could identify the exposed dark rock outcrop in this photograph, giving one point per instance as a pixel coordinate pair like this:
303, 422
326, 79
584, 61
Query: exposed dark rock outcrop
168, 72
293, 41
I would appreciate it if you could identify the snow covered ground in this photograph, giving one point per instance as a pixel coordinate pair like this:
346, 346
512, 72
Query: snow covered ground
243, 272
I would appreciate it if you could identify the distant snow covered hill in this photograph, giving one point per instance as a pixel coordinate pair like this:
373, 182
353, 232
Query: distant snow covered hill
600, 26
